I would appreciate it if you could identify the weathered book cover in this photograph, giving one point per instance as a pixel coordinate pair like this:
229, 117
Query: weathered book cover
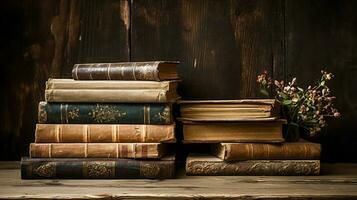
111, 96
151, 70
110, 84
89, 168
229, 110
263, 151
206, 165
97, 150
104, 133
104, 113
243, 131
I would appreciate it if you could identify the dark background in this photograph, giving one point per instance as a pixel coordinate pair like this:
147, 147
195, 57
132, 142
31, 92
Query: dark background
222, 46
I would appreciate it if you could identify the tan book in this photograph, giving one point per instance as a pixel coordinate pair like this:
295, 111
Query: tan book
207, 165
110, 84
262, 151
120, 96
104, 133
248, 131
229, 110
96, 150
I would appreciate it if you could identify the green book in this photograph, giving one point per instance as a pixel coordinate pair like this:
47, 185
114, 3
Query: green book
104, 113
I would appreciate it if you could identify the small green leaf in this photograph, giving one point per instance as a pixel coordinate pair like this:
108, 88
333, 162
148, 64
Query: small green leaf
264, 92
322, 83
300, 89
286, 102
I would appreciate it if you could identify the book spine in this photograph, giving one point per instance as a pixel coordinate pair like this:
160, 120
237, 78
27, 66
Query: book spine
258, 151
92, 113
95, 150
116, 71
254, 168
103, 96
103, 133
100, 169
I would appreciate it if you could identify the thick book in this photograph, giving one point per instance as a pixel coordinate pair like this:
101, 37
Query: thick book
263, 151
151, 70
97, 150
229, 110
104, 133
89, 168
242, 131
109, 85
207, 165
104, 113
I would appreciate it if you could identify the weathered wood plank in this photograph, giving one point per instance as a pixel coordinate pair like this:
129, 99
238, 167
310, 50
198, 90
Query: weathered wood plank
222, 45
43, 39
331, 186
322, 35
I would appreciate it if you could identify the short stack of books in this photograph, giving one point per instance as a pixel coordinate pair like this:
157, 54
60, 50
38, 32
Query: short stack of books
247, 139
112, 120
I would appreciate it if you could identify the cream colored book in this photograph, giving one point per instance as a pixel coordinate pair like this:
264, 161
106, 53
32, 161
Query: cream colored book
229, 110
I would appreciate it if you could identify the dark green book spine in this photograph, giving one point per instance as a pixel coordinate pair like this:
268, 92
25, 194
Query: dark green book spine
104, 113
33, 168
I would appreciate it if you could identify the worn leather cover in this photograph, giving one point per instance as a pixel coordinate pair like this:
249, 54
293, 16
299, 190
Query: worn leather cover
104, 133
90, 168
201, 165
263, 151
96, 150
119, 71
104, 113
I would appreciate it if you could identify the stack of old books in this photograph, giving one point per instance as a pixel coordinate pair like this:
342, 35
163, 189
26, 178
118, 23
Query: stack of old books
247, 139
112, 120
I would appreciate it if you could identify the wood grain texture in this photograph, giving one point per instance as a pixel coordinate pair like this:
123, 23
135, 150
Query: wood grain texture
222, 45
42, 40
322, 35
334, 184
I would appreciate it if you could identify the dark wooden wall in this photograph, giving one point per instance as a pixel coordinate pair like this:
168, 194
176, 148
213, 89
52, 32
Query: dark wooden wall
222, 46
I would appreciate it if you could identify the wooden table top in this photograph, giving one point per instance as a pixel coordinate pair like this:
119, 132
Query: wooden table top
338, 181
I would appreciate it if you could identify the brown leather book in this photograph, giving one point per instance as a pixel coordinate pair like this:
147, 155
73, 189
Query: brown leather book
104, 133
151, 70
207, 165
262, 151
242, 131
229, 110
96, 150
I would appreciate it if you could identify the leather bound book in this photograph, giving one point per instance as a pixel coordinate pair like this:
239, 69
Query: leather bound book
97, 150
89, 168
65, 84
262, 151
206, 165
151, 70
243, 131
229, 110
111, 96
104, 113
103, 133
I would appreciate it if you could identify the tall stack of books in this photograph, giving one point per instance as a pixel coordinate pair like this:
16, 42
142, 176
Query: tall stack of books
247, 139
112, 120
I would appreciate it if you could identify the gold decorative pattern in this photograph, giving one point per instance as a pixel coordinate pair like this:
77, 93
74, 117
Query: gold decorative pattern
73, 113
46, 170
100, 169
106, 113
149, 170
165, 115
